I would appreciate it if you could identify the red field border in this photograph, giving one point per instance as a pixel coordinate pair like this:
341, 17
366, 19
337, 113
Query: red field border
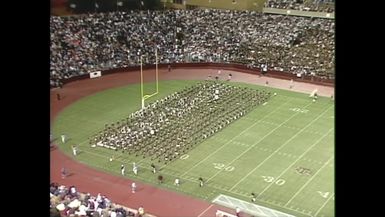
159, 202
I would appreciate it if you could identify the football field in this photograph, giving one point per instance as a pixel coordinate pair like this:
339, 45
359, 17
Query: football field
283, 151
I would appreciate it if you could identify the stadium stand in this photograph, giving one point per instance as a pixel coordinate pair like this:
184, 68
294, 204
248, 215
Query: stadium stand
85, 43
67, 201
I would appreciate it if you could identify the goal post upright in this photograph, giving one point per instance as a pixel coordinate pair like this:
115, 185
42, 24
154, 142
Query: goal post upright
141, 81
156, 69
142, 96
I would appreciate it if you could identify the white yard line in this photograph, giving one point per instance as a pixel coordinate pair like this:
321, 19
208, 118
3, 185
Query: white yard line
252, 146
103, 156
205, 210
120, 154
323, 205
228, 142
308, 181
283, 172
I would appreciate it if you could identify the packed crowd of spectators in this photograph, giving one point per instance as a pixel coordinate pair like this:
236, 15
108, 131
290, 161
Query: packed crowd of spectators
67, 201
170, 127
87, 43
326, 6
285, 43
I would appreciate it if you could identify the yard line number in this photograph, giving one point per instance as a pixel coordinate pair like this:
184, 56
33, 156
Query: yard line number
324, 194
184, 157
274, 180
299, 110
221, 166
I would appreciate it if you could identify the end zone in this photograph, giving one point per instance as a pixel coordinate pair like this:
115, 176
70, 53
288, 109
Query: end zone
247, 207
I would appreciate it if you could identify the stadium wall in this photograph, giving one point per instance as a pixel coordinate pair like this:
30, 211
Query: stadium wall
222, 66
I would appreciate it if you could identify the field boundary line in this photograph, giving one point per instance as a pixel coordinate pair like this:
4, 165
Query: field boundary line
205, 210
323, 205
103, 156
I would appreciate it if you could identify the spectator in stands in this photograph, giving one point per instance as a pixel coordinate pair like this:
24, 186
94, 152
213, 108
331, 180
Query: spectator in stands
54, 212
140, 211
113, 214
237, 211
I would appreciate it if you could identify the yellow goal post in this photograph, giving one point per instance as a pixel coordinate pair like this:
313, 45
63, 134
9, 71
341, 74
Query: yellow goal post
143, 96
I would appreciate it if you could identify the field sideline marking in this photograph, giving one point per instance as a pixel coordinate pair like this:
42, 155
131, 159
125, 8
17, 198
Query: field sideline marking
206, 210
193, 181
299, 157
144, 179
252, 146
308, 181
228, 142
323, 205
103, 156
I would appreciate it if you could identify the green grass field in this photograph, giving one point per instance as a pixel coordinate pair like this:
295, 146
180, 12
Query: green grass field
282, 151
